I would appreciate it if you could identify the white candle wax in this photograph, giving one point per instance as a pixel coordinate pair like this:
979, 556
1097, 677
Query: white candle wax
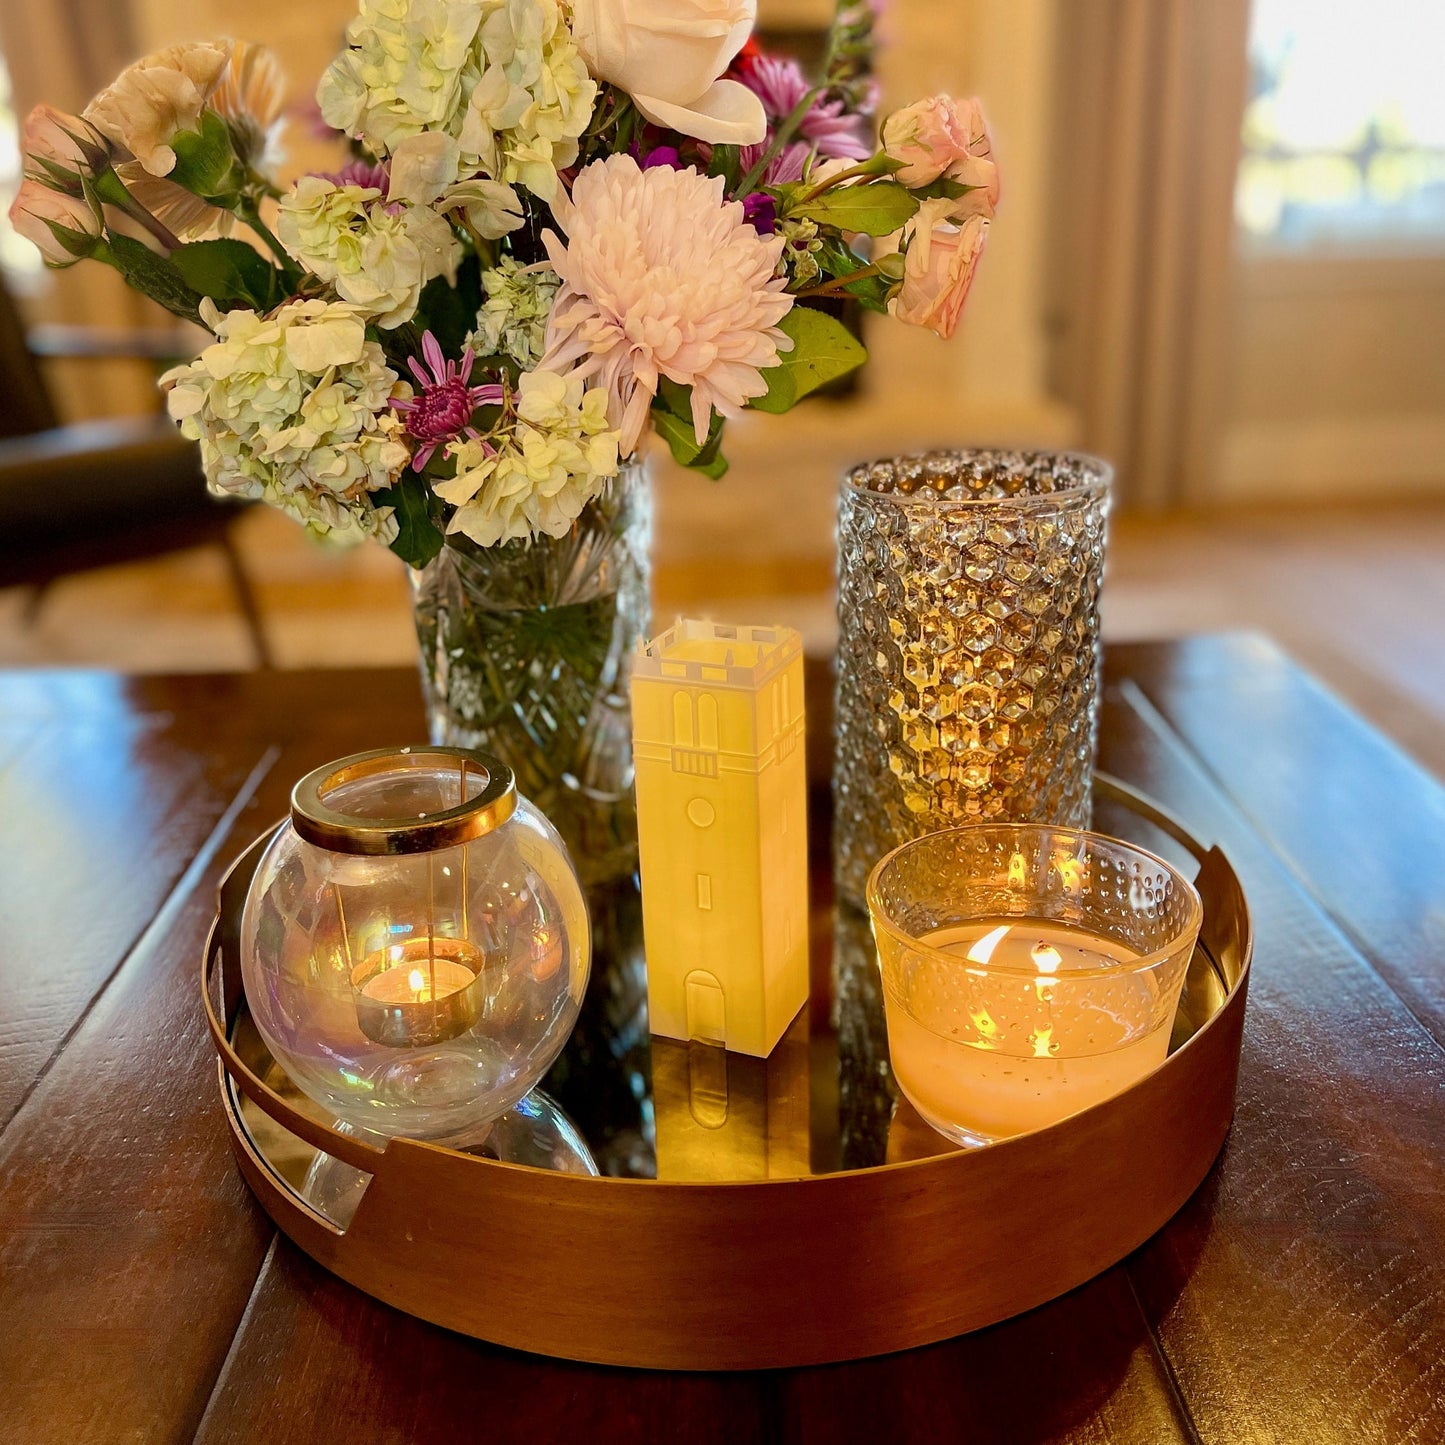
418, 980
986, 1055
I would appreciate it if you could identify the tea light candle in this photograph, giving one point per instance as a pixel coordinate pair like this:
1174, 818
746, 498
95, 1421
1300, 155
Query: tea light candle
1101, 1037
421, 992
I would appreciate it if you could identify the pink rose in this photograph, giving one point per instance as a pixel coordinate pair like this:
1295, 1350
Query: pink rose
945, 137
65, 228
55, 142
939, 267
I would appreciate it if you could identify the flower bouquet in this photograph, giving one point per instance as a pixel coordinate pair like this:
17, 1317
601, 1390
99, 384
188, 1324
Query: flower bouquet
562, 228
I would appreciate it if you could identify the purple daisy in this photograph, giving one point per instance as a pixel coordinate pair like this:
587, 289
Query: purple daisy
371, 175
781, 86
784, 169
442, 410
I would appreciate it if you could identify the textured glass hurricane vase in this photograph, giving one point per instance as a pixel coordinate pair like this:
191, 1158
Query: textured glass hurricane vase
968, 605
524, 653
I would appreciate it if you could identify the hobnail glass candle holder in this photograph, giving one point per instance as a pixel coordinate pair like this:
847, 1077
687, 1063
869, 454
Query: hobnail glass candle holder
968, 610
415, 943
1029, 972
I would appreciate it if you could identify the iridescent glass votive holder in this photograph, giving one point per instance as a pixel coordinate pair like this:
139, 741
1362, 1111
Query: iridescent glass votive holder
968, 652
1029, 972
415, 942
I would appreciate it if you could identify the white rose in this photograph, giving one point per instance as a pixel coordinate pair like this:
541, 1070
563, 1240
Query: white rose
668, 56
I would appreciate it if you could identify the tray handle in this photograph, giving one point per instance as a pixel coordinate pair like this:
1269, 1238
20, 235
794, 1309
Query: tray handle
221, 982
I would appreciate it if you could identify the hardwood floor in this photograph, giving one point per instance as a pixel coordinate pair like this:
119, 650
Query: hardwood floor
1355, 594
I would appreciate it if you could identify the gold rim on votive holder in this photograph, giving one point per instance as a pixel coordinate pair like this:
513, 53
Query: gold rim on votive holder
340, 832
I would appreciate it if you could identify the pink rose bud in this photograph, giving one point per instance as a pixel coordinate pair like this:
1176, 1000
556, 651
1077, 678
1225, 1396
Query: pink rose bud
944, 137
939, 267
64, 228
61, 148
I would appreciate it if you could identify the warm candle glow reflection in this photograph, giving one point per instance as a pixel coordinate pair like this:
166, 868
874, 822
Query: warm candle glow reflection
420, 992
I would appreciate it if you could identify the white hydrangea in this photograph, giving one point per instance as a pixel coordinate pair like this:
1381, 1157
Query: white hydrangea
502, 77
513, 318
294, 409
535, 482
533, 98
409, 66
378, 256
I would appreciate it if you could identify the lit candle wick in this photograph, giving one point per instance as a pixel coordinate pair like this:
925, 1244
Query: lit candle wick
417, 979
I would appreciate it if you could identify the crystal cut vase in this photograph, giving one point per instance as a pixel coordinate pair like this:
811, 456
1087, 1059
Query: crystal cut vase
968, 646
525, 651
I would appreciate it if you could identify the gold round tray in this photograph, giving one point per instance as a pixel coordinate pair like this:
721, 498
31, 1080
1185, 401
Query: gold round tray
798, 1211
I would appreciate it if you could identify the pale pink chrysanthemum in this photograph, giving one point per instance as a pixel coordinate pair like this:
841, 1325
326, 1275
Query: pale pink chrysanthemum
662, 276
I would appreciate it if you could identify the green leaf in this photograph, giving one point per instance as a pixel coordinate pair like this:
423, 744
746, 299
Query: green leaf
823, 350
205, 161
230, 271
873, 292
876, 209
715, 470
152, 276
944, 189
450, 312
672, 415
418, 539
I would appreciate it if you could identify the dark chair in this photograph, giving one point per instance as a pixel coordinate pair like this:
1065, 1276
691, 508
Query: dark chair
100, 493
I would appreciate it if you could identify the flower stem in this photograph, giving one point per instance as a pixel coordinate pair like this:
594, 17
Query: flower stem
839, 283
113, 191
785, 133
863, 168
250, 213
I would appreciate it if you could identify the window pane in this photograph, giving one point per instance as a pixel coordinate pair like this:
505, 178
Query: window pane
18, 258
1344, 134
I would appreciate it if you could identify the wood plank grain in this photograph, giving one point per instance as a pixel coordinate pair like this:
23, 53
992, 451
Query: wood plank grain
1356, 819
318, 1362
1301, 1293
1082, 1370
127, 1241
103, 807
1300, 1296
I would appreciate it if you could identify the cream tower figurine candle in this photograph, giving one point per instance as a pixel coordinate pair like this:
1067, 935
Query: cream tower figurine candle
717, 719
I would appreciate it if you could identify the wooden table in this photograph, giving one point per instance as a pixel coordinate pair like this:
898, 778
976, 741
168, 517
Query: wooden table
1298, 1297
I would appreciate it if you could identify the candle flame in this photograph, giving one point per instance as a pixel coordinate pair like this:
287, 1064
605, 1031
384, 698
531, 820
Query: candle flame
983, 950
1046, 957
417, 980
